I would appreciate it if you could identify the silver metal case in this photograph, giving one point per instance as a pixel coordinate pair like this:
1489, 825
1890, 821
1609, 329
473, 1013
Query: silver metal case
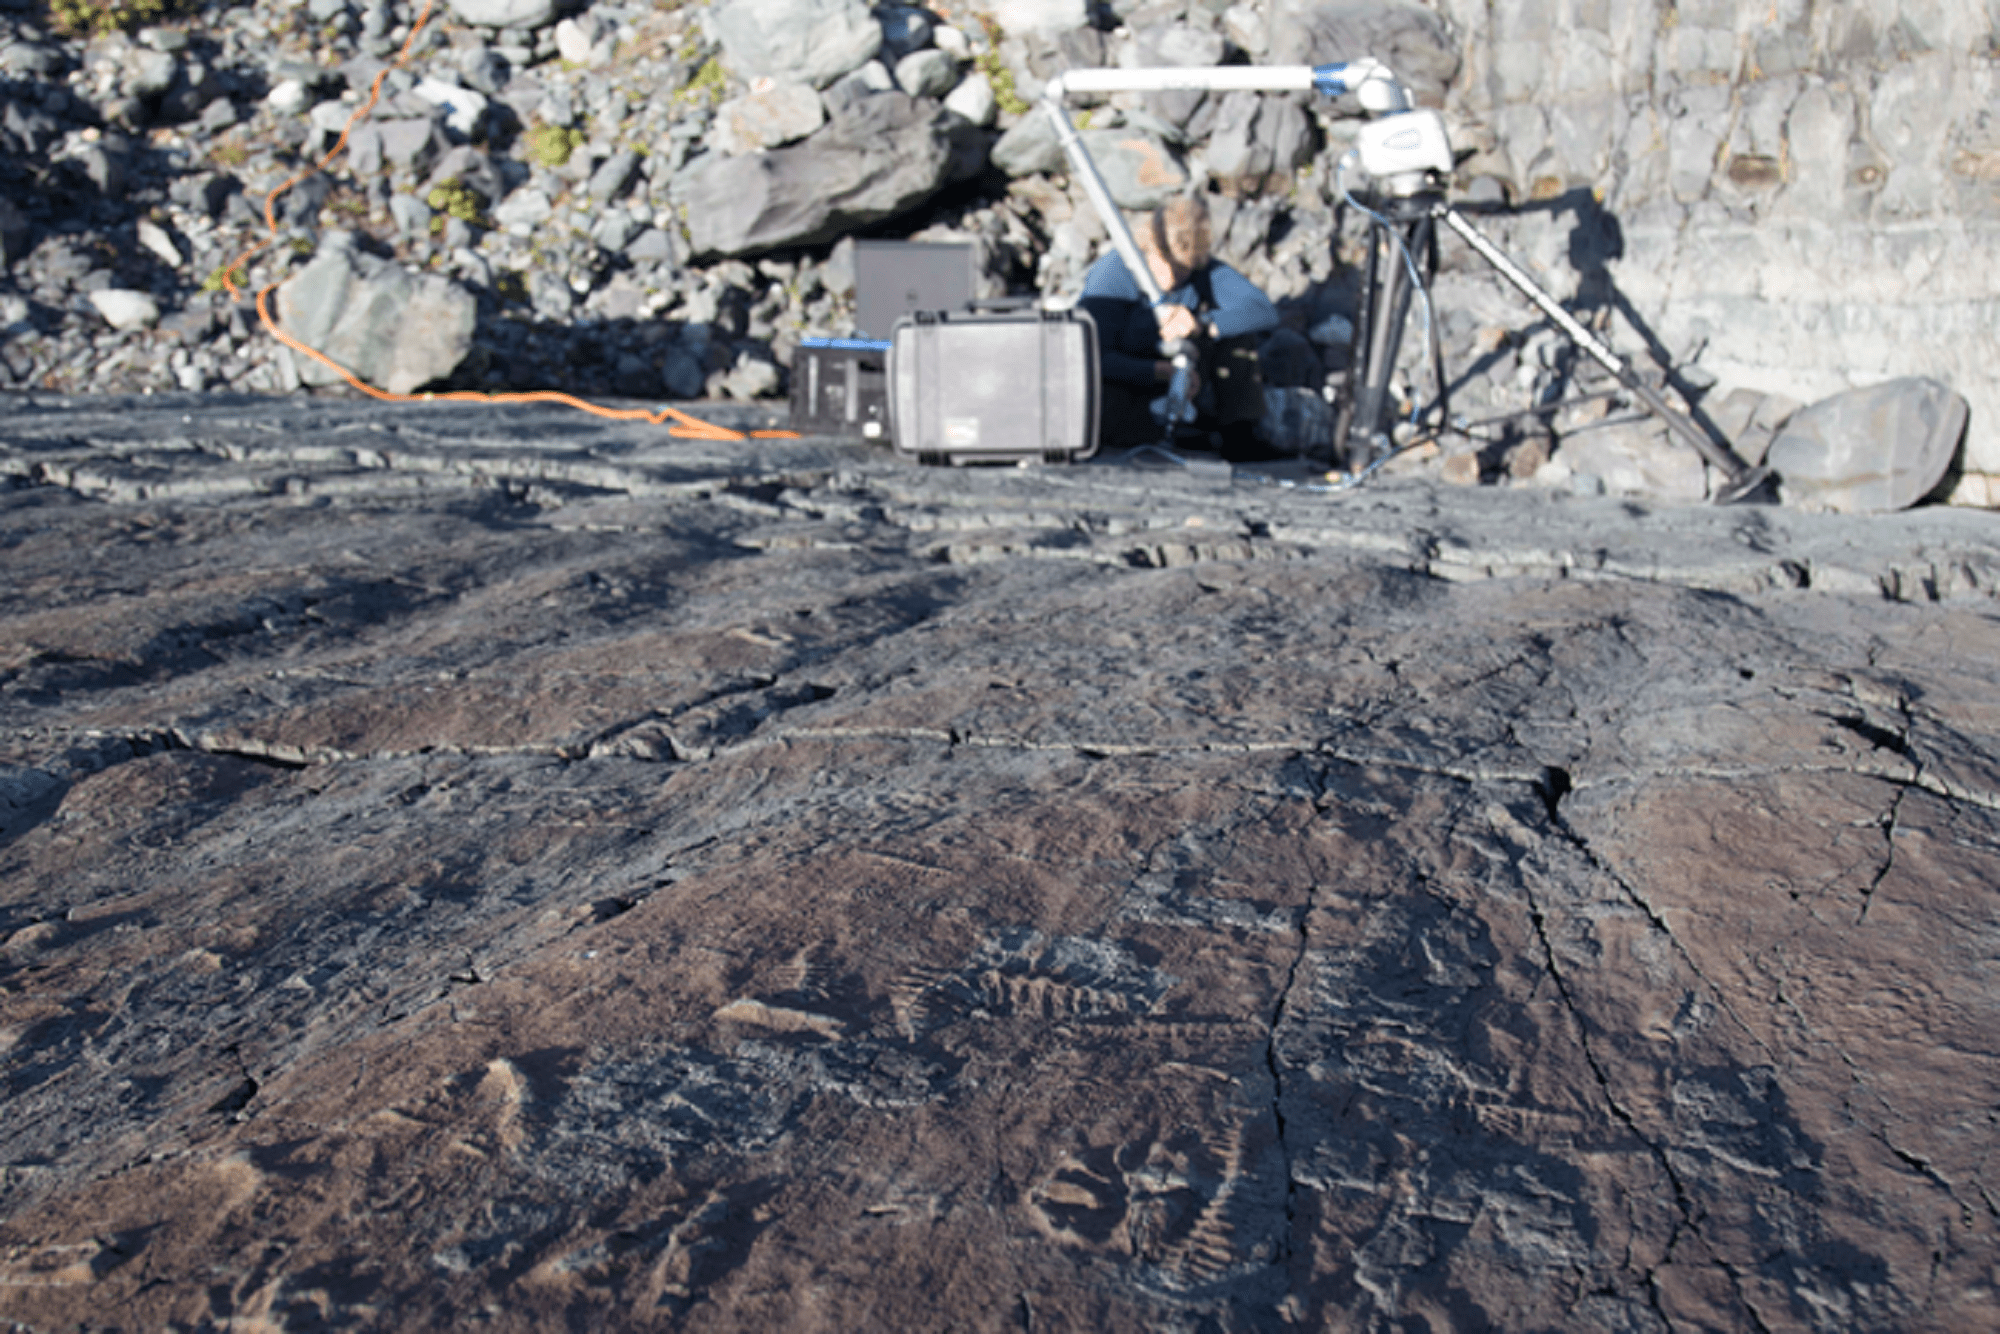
1014, 386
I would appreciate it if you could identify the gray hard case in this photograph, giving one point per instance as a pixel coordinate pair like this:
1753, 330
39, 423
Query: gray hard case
984, 386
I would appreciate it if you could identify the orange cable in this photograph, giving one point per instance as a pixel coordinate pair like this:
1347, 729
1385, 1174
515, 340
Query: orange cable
686, 426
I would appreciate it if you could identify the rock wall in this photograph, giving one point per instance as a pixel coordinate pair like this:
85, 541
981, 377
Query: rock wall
1808, 190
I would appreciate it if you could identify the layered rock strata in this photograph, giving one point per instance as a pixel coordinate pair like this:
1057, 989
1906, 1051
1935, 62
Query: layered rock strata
462, 866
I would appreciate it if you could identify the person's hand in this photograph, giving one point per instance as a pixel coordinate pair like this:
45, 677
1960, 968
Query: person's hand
1176, 322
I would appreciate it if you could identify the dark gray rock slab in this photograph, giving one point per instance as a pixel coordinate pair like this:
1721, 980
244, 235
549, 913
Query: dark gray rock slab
1867, 450
883, 156
548, 871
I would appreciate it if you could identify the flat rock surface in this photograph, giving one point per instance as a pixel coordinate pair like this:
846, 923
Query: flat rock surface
475, 867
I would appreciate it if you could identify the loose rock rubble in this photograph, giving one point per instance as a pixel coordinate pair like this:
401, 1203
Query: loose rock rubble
647, 200
477, 867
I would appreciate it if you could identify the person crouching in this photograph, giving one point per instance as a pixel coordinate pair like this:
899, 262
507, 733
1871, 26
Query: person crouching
1206, 301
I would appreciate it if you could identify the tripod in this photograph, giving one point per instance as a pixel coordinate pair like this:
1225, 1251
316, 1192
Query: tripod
1361, 431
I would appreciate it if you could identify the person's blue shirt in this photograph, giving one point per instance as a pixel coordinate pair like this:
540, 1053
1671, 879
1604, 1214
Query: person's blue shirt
1128, 334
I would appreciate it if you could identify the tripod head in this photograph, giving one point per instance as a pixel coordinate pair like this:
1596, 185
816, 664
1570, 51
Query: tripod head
1407, 152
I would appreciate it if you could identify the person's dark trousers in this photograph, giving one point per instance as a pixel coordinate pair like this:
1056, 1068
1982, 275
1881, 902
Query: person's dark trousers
1125, 419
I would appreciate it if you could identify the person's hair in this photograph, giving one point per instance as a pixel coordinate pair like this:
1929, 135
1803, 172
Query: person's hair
1180, 231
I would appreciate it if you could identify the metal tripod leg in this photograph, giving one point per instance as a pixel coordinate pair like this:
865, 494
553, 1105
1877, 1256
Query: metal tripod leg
1385, 310
1743, 479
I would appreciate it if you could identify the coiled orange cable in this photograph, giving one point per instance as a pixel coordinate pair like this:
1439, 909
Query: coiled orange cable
685, 426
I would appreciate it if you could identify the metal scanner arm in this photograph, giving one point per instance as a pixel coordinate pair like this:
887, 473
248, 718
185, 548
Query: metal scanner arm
1380, 91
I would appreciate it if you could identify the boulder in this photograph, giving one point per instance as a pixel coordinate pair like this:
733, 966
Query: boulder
288, 97
929, 73
585, 40
1038, 16
523, 211
974, 100
126, 310
1256, 143
613, 175
1868, 451
887, 155
1248, 27
463, 108
1138, 168
147, 73
1639, 458
1029, 147
795, 41
777, 115
505, 13
1406, 37
1177, 44
652, 246
156, 239
1296, 421
392, 328
411, 143
1749, 420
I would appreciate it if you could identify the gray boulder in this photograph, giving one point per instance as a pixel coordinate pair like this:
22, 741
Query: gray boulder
887, 154
1750, 420
1177, 44
149, 73
929, 73
1406, 37
392, 328
1138, 167
462, 108
973, 99
775, 116
1297, 421
1039, 16
1256, 144
1870, 450
1638, 458
795, 41
1029, 147
410, 143
506, 13
652, 246
611, 178
126, 310
614, 230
